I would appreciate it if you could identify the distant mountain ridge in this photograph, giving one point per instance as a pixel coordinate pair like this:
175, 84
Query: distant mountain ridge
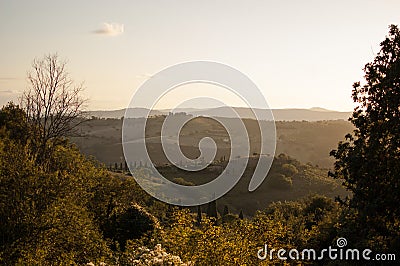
290, 114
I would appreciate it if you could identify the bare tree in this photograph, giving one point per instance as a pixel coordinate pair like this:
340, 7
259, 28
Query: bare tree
53, 103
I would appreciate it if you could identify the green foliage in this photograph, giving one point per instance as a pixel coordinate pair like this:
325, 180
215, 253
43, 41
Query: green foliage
59, 213
41, 211
129, 223
234, 243
13, 123
369, 159
310, 222
66, 235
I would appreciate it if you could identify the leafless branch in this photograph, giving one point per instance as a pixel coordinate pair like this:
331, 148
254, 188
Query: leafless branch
53, 103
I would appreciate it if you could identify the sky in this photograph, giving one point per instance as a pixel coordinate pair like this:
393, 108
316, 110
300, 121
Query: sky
300, 54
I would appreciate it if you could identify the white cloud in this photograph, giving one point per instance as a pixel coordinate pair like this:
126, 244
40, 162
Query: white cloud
111, 29
144, 76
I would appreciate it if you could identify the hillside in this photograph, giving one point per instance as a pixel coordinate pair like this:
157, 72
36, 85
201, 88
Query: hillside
305, 141
287, 180
303, 171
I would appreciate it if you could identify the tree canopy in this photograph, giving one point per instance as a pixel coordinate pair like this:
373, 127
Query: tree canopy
369, 159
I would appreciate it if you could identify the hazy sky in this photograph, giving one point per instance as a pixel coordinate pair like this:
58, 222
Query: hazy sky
300, 53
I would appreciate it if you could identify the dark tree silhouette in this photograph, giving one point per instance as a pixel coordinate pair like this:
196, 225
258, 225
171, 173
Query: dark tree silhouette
129, 223
241, 215
369, 159
212, 209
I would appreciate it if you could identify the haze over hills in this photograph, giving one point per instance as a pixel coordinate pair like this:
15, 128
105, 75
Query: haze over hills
290, 114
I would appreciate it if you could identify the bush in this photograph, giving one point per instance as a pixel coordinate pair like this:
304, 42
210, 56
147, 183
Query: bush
280, 181
289, 169
129, 223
